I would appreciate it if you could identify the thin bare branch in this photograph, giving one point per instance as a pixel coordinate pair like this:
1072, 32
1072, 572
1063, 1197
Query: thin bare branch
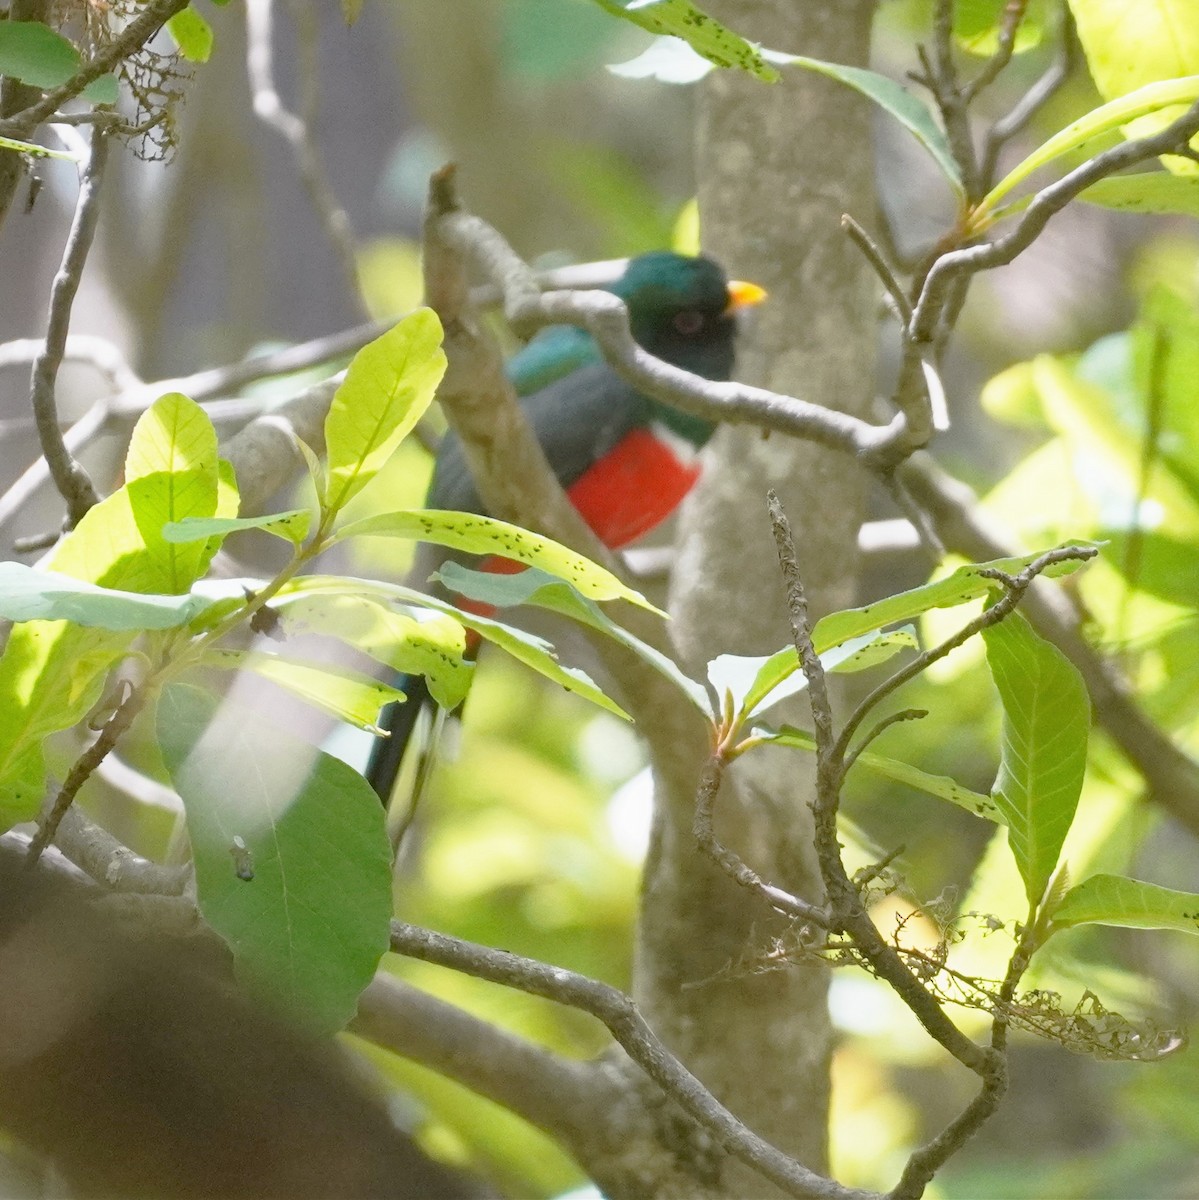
297, 130
731, 863
72, 481
1009, 27
619, 1014
1045, 204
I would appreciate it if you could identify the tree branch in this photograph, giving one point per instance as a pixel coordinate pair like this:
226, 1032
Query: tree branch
1044, 205
618, 1013
566, 1099
72, 481
269, 107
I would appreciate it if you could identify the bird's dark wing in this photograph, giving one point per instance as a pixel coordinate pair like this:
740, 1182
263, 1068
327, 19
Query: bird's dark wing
577, 420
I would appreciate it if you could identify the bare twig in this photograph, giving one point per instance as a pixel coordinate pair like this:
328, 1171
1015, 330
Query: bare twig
1045, 204
619, 1014
296, 129
731, 863
84, 765
882, 268
70, 478
95, 351
1034, 98
845, 904
112, 864
1009, 26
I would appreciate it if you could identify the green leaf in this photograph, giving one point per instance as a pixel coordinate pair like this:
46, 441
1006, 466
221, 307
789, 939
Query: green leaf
311, 925
1128, 46
292, 526
434, 647
941, 786
1117, 900
344, 693
1099, 121
1147, 192
964, 585
909, 111
477, 534
36, 55
351, 10
754, 680
533, 651
171, 474
1043, 745
34, 149
53, 672
192, 34
547, 591
682, 19
29, 594
388, 386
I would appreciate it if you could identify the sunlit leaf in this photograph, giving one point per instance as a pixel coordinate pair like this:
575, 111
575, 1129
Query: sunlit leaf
171, 474
311, 924
434, 647
533, 651
941, 786
387, 388
965, 584
756, 681
1105, 119
346, 694
29, 594
33, 149
546, 591
1147, 192
476, 534
1043, 746
192, 34
1128, 46
1131, 903
292, 526
683, 19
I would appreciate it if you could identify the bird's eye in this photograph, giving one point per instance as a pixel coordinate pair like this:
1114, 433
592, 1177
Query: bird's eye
688, 322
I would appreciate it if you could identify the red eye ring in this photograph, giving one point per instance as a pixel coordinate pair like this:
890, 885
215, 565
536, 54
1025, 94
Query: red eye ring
688, 322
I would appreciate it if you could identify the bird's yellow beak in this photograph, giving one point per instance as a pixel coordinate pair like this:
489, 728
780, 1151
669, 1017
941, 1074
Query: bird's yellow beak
744, 295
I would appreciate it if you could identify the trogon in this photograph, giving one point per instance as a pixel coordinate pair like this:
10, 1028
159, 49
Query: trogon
624, 460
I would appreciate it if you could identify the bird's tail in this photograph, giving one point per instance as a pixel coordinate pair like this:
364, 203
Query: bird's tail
399, 719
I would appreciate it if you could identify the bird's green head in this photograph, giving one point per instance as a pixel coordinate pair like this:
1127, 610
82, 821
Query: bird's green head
681, 309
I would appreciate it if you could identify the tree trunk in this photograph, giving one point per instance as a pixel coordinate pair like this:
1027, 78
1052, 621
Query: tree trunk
778, 165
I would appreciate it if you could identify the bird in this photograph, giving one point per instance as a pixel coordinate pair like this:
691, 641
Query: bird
625, 460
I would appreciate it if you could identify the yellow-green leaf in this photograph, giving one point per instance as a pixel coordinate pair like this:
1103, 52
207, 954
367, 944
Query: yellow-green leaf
347, 694
434, 646
1131, 903
170, 474
1108, 117
388, 386
475, 534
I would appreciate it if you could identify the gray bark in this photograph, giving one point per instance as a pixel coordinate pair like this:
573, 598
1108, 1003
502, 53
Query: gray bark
777, 165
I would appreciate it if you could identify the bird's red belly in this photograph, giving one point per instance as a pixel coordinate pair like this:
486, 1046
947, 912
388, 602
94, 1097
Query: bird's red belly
630, 490
633, 488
